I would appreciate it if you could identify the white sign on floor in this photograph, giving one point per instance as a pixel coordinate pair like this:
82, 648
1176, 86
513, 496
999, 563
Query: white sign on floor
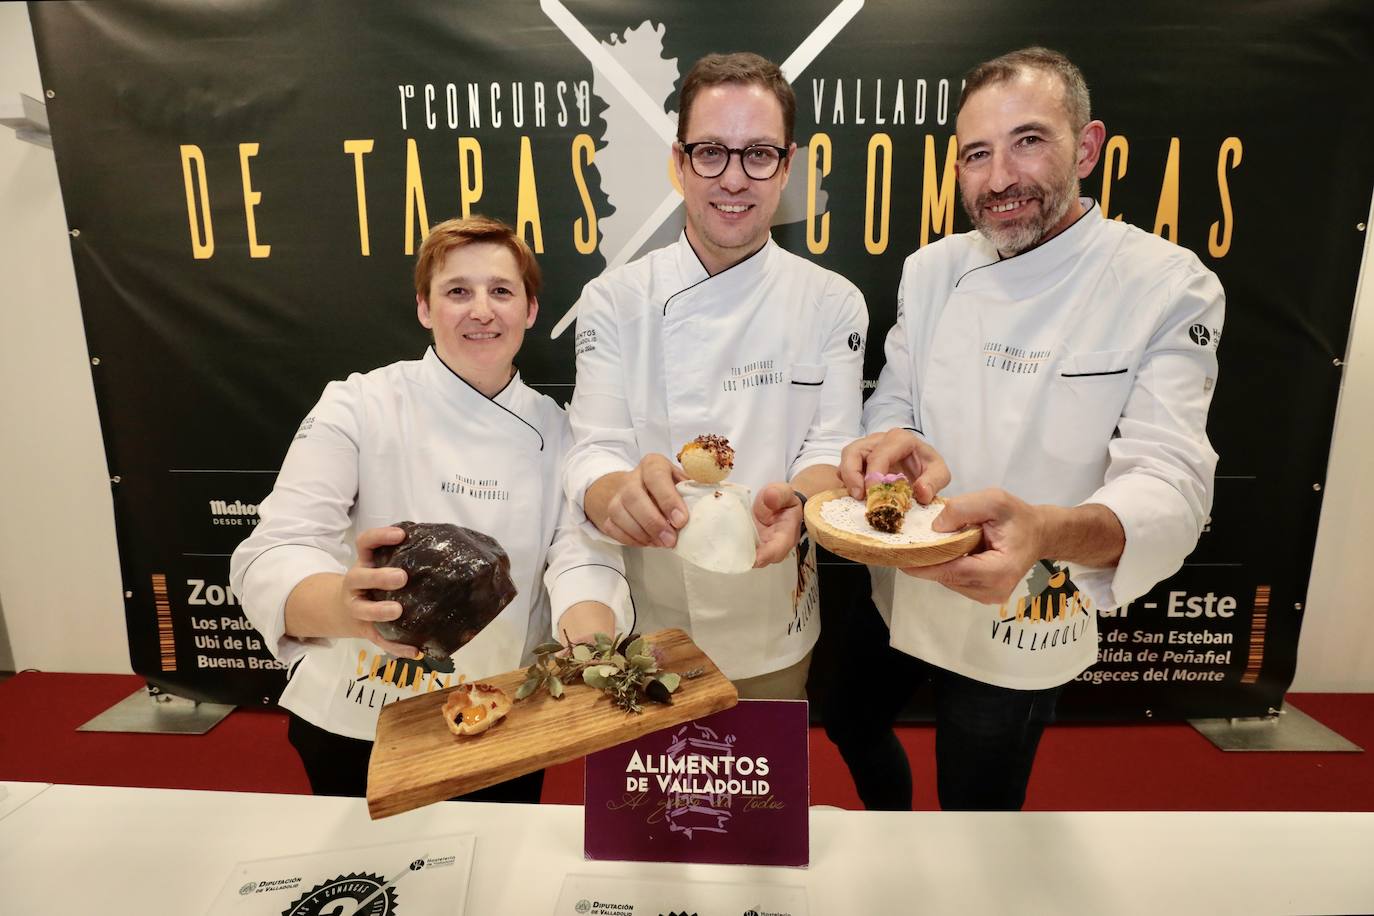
417, 877
590, 895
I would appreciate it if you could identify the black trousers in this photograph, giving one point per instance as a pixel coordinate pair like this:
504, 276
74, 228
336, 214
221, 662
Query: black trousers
985, 736
337, 765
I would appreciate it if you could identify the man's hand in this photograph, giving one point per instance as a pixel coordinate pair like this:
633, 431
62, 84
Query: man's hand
359, 613
1013, 541
778, 517
900, 449
639, 508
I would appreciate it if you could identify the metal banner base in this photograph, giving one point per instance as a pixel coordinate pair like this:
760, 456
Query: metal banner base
162, 713
1290, 730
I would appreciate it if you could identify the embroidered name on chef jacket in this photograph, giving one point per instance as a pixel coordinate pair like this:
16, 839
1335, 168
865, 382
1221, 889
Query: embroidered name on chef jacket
752, 375
1015, 360
486, 489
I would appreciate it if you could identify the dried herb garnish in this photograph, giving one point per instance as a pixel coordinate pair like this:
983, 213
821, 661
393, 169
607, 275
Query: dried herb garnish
626, 669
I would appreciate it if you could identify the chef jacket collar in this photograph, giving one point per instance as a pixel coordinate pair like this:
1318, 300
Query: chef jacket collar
692, 273
462, 394
1038, 267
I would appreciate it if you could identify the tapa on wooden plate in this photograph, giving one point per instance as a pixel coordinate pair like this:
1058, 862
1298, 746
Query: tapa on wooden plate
416, 760
869, 550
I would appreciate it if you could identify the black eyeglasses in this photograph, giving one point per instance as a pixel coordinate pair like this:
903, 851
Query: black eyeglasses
710, 160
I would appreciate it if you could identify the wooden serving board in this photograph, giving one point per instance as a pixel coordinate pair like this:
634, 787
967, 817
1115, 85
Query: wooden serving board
868, 550
416, 760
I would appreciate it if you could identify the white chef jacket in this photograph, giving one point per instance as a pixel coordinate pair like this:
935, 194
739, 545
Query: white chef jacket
1080, 371
767, 353
414, 441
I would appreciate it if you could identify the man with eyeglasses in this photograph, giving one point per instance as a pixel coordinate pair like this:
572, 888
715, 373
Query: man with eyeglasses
721, 333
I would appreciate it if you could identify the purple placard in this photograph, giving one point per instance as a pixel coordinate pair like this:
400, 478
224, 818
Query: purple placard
731, 788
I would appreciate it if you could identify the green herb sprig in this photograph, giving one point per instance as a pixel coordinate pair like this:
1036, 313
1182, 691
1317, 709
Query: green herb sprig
626, 670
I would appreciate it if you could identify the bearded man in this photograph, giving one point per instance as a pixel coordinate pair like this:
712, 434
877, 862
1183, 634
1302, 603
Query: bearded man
1051, 374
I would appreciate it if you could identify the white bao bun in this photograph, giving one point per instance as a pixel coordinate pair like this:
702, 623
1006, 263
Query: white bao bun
719, 535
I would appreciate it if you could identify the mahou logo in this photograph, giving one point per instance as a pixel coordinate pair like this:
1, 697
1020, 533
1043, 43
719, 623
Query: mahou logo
237, 507
238, 512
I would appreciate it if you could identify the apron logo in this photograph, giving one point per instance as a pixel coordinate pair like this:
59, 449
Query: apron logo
805, 599
1200, 335
378, 677
1052, 612
855, 341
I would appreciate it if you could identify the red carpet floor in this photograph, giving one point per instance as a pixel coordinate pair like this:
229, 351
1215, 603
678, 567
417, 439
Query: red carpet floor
1158, 767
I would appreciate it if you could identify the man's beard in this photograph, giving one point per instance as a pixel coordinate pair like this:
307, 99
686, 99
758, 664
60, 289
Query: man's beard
1012, 238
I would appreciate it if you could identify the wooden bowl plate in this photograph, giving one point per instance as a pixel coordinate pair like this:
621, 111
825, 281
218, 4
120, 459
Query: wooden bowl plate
873, 552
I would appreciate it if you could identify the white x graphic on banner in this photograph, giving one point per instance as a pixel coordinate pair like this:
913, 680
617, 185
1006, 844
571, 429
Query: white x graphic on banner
653, 114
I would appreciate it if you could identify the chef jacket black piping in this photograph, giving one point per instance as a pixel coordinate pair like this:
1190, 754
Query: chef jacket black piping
1086, 374
634, 612
709, 275
265, 551
1002, 260
494, 396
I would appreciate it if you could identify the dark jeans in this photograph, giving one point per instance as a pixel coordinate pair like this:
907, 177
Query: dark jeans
337, 765
985, 736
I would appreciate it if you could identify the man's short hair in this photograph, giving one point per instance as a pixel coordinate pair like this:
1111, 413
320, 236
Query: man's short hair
455, 233
741, 68
1009, 66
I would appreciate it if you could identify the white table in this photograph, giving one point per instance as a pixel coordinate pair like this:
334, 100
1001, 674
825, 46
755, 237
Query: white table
14, 795
80, 849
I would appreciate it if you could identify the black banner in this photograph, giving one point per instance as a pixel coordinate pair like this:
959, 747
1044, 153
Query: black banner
246, 183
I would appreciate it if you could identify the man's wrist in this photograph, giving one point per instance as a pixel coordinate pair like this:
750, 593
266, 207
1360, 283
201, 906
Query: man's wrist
584, 619
597, 498
1046, 518
1089, 534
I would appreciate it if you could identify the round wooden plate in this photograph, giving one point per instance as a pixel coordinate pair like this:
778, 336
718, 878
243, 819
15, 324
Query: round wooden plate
873, 552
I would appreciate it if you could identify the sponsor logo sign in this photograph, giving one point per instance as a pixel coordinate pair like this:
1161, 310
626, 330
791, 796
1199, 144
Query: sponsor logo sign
728, 788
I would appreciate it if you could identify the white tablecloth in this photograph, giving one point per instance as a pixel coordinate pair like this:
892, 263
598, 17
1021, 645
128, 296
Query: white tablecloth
14, 795
81, 849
